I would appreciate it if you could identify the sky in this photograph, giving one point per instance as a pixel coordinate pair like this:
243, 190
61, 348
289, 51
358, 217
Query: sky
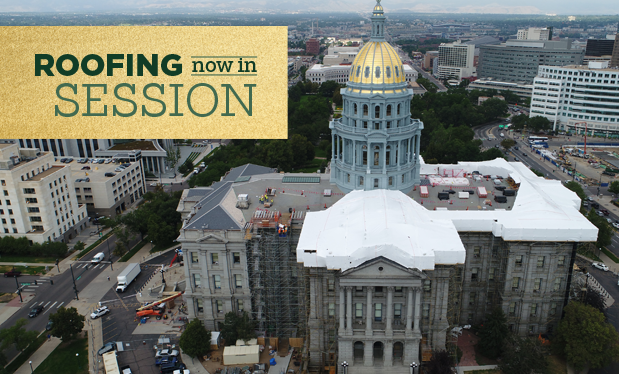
561, 7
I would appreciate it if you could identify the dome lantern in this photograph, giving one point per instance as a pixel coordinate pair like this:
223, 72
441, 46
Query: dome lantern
378, 23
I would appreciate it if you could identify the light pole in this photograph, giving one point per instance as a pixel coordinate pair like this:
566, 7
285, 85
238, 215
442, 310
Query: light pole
414, 367
18, 289
31, 370
345, 367
74, 286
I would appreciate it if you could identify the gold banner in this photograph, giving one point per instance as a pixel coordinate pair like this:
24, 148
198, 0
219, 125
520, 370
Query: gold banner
143, 82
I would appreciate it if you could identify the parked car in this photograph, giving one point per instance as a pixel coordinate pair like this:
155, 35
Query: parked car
600, 213
605, 211
99, 312
165, 360
126, 370
36, 311
108, 347
611, 174
48, 327
170, 368
616, 225
599, 265
12, 273
595, 205
166, 352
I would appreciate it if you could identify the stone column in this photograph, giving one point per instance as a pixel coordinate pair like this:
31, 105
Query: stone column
338, 146
417, 328
399, 151
333, 156
388, 353
389, 328
384, 157
409, 311
369, 314
410, 151
418, 146
349, 310
354, 155
342, 301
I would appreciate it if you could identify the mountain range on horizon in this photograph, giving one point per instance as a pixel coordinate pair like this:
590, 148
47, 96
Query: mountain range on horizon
560, 7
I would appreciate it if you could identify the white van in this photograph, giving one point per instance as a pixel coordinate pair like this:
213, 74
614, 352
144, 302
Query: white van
98, 258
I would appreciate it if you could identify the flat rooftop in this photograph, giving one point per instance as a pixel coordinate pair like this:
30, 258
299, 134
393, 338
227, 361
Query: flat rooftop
144, 145
96, 172
47, 172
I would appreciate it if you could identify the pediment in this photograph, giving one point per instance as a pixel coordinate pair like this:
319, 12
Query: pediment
382, 267
212, 238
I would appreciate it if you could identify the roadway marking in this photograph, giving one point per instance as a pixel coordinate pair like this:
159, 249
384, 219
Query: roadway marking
59, 305
41, 303
50, 308
33, 305
45, 306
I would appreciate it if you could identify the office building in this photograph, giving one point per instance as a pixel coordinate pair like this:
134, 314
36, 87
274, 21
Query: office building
535, 33
456, 60
614, 61
78, 148
599, 47
37, 196
340, 73
312, 46
522, 90
519, 60
577, 97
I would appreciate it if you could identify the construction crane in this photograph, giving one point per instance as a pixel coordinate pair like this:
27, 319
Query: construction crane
154, 304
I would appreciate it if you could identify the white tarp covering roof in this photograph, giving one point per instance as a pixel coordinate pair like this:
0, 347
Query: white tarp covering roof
364, 225
544, 210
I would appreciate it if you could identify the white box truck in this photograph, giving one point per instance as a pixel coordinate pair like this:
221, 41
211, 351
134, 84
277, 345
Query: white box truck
127, 276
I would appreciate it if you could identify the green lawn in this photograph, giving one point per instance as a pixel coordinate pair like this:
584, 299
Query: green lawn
310, 167
64, 360
23, 269
26, 353
40, 260
320, 153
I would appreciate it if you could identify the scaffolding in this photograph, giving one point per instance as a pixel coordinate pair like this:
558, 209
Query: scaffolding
276, 279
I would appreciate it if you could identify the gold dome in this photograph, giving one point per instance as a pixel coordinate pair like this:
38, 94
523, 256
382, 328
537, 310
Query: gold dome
378, 8
377, 63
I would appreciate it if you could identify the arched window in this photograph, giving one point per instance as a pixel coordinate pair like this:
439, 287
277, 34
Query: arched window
376, 111
376, 155
389, 109
398, 107
358, 70
397, 72
377, 30
355, 108
388, 71
388, 154
365, 109
377, 72
367, 71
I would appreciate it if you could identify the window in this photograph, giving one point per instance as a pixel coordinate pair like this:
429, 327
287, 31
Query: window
378, 312
236, 257
358, 310
199, 305
347, 178
512, 309
388, 71
217, 282
389, 110
238, 281
557, 285
239, 305
378, 289
533, 309
215, 258
397, 311
6, 193
4, 220
474, 274
425, 311
220, 306
537, 284
553, 309
330, 285
391, 181
27, 191
30, 200
365, 108
377, 111
33, 210
197, 282
376, 182
397, 74
515, 282
367, 72
518, 261
491, 274
358, 72
540, 261
355, 105
13, 221
35, 219
476, 251
8, 202
364, 162
561, 261
331, 309
427, 285
194, 257
377, 72
472, 297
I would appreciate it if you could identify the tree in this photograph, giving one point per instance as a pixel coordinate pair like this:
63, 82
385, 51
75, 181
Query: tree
494, 108
538, 123
614, 187
237, 327
440, 363
302, 150
577, 188
328, 88
16, 337
123, 237
492, 334
172, 156
508, 143
595, 299
196, 339
522, 356
429, 86
605, 230
79, 246
585, 338
337, 98
66, 323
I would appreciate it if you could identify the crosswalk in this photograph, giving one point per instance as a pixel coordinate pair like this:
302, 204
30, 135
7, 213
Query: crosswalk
83, 265
46, 306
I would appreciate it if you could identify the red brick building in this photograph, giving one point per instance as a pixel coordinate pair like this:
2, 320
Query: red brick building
312, 47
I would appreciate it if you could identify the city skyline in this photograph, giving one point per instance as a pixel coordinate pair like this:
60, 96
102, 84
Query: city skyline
472, 7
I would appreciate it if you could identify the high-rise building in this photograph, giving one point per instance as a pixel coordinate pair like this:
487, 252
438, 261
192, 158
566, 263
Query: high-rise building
456, 60
614, 61
535, 33
38, 196
519, 60
312, 46
599, 47
569, 97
